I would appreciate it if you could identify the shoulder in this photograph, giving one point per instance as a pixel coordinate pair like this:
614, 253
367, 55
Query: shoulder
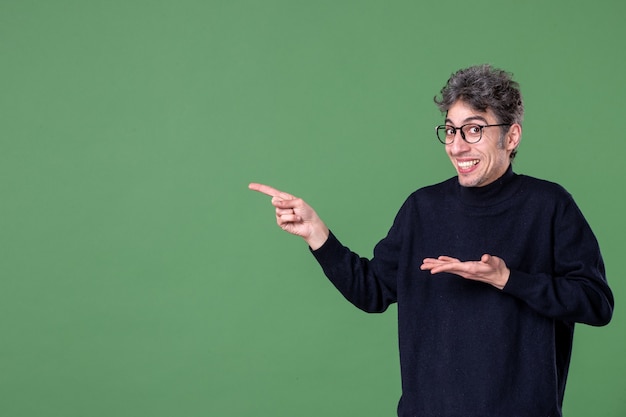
428, 198
543, 189
435, 190
547, 198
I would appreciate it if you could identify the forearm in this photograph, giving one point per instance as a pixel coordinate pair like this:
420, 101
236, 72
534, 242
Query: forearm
355, 277
576, 299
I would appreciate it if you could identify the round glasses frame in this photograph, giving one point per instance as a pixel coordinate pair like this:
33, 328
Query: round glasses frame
447, 133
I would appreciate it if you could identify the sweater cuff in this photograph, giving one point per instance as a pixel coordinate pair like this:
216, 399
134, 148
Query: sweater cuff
328, 250
519, 284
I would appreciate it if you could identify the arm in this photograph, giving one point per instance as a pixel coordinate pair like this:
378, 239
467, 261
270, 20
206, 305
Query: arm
368, 285
573, 288
580, 295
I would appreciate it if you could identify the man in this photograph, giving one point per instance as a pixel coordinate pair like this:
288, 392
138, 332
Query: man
490, 269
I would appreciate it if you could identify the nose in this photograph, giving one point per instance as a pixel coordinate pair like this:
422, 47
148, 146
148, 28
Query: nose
459, 145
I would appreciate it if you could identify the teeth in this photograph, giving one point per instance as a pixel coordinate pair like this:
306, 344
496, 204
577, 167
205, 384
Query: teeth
467, 164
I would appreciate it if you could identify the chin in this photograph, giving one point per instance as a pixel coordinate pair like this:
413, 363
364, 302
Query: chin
470, 181
466, 184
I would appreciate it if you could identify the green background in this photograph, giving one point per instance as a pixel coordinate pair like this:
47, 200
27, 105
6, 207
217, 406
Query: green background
140, 277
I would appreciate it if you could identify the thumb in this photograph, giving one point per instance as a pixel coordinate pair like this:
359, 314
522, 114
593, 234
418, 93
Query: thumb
485, 258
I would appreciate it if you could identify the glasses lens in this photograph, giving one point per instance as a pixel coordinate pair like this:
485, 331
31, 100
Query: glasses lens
445, 134
472, 133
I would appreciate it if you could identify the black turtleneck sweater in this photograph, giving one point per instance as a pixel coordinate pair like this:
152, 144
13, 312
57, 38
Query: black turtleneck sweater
468, 349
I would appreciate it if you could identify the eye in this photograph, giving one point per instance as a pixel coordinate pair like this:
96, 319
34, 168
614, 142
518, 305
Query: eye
450, 131
473, 129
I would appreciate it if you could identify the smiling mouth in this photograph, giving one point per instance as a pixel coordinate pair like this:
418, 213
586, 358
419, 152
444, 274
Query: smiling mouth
467, 164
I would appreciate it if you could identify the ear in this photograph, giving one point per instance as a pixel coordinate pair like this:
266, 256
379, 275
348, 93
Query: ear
513, 137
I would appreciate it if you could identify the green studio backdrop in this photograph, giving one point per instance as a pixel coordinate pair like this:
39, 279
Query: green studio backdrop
140, 277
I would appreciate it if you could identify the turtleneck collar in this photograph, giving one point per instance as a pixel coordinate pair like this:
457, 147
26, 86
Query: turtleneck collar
490, 194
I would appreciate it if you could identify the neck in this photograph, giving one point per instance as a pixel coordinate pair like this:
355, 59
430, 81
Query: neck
489, 194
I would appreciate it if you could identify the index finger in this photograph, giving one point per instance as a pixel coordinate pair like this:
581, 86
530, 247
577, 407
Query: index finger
271, 191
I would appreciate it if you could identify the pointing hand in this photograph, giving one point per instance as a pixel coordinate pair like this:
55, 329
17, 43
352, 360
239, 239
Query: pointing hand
295, 216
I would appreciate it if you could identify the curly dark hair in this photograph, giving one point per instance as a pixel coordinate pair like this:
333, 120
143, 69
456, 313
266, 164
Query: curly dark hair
485, 87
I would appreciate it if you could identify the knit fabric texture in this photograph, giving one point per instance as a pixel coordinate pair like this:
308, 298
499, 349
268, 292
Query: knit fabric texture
468, 349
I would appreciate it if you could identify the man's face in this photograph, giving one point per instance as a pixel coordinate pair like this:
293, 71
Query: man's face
481, 163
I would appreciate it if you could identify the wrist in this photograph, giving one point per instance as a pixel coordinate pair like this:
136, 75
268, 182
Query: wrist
503, 280
318, 237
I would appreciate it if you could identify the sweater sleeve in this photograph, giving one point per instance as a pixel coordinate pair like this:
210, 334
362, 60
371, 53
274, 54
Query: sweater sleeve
368, 284
576, 289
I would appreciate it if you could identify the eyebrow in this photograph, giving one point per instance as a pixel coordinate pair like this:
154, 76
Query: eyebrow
468, 120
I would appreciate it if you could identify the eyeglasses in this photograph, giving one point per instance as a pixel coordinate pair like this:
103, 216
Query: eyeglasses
471, 133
